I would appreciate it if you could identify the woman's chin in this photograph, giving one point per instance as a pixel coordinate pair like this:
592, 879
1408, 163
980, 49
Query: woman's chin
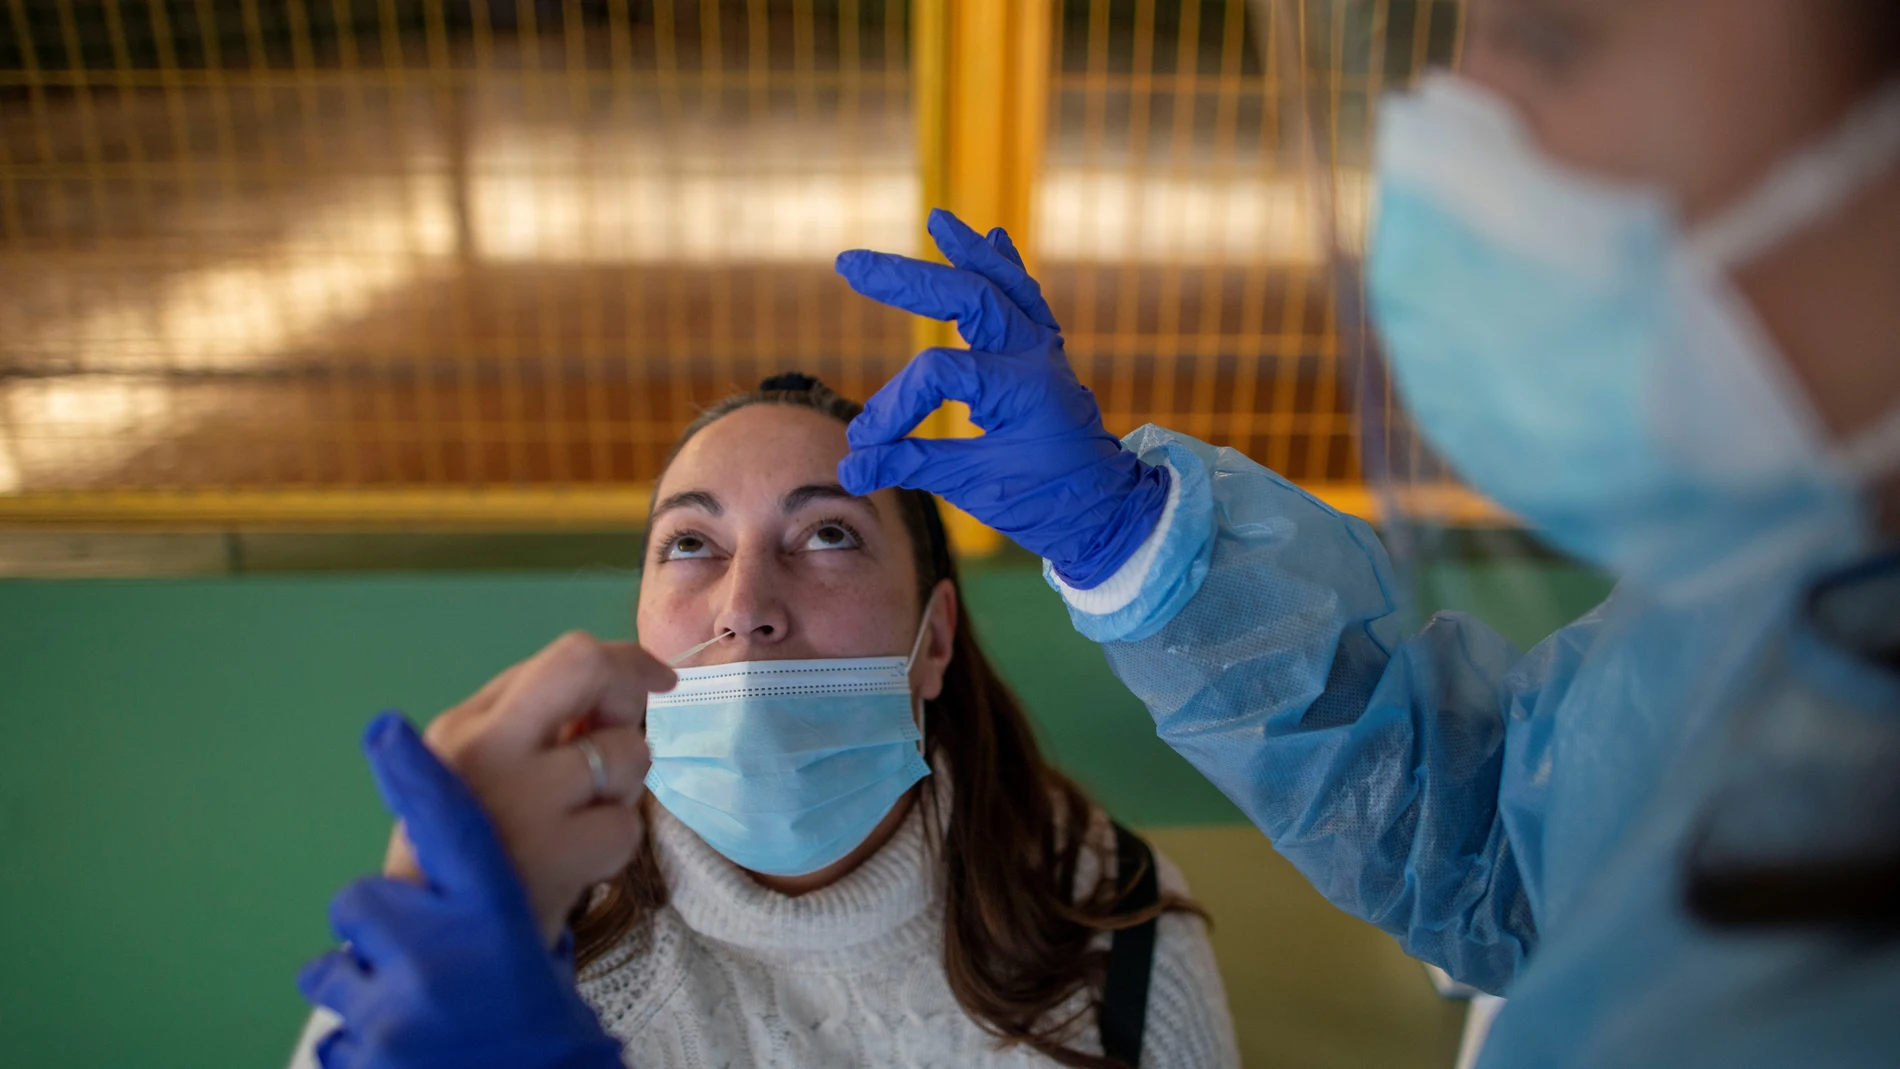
793, 886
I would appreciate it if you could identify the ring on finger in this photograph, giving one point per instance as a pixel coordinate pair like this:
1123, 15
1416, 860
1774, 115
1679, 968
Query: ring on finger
596, 765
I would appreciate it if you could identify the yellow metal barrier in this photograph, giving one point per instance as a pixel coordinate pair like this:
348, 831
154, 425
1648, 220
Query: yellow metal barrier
476, 262
981, 77
982, 92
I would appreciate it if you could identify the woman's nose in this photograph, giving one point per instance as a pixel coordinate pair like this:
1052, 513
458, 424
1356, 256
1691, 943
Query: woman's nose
754, 611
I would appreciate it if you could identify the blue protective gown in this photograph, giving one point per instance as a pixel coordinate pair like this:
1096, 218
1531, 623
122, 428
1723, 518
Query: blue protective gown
1524, 819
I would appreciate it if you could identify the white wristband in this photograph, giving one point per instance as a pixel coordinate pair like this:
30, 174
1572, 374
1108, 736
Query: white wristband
1120, 589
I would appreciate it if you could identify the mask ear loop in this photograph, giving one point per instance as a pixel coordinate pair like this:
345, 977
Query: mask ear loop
1807, 187
923, 628
1875, 451
916, 647
1798, 194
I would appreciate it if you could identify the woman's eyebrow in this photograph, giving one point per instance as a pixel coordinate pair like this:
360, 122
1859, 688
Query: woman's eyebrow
699, 499
804, 495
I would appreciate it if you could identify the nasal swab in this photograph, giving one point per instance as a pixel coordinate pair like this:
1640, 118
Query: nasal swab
688, 655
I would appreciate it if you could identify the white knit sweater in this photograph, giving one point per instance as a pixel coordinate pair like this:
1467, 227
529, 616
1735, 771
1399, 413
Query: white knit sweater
730, 974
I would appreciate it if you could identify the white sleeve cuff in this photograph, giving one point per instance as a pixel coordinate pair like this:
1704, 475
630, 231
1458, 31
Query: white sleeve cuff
1120, 589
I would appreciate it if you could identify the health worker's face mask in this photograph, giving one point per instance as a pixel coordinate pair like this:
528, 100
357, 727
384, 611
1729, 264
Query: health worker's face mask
1588, 365
786, 766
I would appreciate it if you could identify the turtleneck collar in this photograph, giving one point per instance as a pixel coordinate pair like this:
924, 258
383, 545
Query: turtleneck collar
893, 896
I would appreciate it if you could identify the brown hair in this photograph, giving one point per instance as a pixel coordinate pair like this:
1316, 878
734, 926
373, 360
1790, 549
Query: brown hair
1015, 940
1875, 29
1886, 16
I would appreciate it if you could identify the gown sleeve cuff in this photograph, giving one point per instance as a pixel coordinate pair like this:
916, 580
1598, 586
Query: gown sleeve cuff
1166, 571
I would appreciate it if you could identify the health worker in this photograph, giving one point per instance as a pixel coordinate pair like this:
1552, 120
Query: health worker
1636, 274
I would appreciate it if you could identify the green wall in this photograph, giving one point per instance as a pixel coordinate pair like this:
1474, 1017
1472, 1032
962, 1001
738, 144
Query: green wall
180, 794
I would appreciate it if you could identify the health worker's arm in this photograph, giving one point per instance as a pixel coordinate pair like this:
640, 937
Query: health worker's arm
1257, 624
1402, 777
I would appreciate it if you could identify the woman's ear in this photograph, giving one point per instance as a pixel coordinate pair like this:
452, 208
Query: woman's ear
940, 639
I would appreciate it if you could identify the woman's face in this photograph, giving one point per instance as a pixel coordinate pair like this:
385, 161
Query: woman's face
752, 535
1701, 99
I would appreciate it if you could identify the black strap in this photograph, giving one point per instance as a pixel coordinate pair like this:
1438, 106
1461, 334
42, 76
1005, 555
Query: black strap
1131, 952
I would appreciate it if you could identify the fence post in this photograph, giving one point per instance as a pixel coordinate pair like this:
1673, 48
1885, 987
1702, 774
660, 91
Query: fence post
980, 90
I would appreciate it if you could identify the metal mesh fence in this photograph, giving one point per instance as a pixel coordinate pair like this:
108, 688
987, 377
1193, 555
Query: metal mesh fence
427, 249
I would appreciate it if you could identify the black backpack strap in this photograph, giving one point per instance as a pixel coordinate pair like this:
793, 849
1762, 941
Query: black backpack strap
1131, 952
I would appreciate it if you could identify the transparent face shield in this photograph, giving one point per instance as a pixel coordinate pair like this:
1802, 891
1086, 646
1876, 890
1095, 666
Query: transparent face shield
1330, 64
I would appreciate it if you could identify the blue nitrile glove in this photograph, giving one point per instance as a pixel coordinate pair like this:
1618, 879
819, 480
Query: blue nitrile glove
1045, 472
452, 975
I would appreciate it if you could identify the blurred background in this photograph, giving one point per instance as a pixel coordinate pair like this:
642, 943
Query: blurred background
340, 341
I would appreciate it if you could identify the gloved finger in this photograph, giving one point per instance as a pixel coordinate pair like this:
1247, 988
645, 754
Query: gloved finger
964, 248
339, 1050
932, 464
336, 981
1031, 300
575, 675
985, 316
999, 240
932, 377
455, 843
565, 777
378, 917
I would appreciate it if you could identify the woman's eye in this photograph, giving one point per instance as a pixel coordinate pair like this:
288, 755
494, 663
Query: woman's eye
832, 536
686, 547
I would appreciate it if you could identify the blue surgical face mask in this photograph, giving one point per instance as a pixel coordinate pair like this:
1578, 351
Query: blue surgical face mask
1586, 363
786, 766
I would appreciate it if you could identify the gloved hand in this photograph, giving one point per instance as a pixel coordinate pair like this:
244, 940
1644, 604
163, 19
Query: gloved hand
453, 974
1045, 472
